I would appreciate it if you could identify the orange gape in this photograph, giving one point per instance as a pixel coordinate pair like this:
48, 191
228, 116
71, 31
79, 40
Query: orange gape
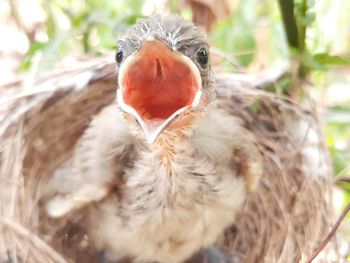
158, 82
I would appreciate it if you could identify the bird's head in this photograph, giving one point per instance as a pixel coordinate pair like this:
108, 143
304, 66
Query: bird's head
164, 75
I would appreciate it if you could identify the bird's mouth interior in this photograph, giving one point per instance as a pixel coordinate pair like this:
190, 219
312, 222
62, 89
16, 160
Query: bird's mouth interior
157, 82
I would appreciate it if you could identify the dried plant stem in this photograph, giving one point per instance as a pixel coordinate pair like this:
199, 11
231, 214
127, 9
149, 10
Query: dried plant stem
330, 235
34, 239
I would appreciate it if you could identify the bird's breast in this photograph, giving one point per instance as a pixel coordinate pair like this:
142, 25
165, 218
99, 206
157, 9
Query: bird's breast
167, 210
171, 210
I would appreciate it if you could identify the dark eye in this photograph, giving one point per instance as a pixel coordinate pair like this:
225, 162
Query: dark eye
202, 57
119, 56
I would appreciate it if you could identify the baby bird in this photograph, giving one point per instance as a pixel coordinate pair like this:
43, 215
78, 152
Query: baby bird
163, 171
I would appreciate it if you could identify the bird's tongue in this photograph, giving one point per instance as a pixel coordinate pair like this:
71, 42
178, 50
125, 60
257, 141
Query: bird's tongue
157, 82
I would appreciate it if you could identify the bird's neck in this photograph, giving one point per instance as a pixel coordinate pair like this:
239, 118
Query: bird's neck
177, 133
170, 143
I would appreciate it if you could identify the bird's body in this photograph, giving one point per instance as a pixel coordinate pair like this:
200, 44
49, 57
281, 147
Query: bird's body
168, 203
164, 200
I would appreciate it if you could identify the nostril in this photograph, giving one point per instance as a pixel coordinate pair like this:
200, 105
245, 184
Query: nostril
159, 69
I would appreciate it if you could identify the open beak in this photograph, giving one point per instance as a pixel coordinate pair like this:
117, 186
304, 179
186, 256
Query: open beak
157, 85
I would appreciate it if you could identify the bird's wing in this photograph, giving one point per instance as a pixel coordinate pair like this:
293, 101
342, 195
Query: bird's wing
97, 165
49, 114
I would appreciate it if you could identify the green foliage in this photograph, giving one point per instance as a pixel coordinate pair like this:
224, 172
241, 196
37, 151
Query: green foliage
240, 41
312, 60
338, 134
74, 27
331, 60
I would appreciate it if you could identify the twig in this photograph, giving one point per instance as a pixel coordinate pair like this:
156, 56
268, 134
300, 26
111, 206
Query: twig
272, 76
330, 235
289, 22
18, 21
226, 56
34, 239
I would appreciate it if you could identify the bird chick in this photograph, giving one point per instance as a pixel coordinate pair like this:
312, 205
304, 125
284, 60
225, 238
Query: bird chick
165, 172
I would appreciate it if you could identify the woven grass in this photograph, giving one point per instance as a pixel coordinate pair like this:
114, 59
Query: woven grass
42, 118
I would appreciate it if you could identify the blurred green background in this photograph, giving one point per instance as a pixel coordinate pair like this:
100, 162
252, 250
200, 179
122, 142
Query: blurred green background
39, 34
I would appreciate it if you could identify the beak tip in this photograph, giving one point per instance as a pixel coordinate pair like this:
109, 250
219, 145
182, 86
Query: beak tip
150, 140
151, 134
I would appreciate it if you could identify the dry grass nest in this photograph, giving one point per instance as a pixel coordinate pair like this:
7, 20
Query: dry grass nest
42, 118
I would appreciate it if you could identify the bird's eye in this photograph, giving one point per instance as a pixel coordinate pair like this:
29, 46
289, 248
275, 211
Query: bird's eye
202, 57
119, 56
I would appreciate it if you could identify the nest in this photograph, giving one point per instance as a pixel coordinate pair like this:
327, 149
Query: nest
41, 120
